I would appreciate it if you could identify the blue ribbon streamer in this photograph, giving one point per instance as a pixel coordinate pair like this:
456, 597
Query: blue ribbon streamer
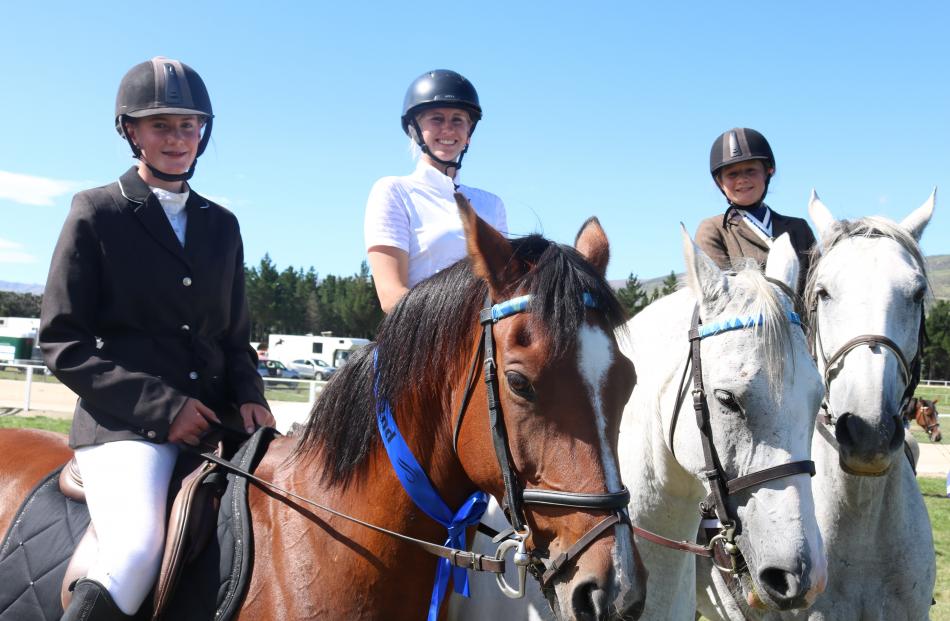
416, 483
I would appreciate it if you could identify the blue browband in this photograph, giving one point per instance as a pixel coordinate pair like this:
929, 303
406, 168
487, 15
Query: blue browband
739, 323
518, 305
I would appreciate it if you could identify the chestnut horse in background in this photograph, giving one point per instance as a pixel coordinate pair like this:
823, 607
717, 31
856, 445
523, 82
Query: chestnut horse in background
924, 411
561, 387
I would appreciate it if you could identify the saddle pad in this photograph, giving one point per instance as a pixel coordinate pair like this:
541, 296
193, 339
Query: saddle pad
213, 585
36, 551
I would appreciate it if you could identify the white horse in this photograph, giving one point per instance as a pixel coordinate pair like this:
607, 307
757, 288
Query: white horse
763, 390
865, 298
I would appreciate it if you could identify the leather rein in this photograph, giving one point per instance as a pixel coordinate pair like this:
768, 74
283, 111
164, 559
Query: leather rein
715, 506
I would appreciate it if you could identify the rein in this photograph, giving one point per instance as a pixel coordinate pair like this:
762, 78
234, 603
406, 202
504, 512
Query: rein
516, 496
715, 506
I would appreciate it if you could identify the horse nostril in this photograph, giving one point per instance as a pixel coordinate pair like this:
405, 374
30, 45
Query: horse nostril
589, 602
784, 587
843, 432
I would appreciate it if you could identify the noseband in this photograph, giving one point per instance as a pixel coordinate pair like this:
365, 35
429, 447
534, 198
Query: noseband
715, 506
515, 495
910, 372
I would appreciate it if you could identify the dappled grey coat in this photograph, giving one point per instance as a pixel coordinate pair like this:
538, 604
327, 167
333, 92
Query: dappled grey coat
135, 324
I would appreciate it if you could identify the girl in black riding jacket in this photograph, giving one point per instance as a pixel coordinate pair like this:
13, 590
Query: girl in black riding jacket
145, 318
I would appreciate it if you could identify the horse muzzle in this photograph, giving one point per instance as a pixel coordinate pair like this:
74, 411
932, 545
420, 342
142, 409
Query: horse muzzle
868, 450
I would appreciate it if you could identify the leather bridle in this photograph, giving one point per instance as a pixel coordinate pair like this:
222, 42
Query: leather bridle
715, 507
910, 372
515, 495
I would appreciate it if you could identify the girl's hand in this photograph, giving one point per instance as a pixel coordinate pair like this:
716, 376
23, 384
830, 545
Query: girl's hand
256, 415
192, 422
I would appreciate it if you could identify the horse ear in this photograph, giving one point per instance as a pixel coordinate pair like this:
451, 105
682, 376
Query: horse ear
917, 221
782, 264
591, 242
935, 400
702, 275
819, 214
491, 254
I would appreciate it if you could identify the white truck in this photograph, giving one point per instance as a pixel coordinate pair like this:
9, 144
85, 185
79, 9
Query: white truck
18, 339
333, 350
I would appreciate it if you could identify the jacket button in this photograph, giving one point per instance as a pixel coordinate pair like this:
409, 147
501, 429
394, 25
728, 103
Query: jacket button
193, 375
151, 434
185, 327
186, 281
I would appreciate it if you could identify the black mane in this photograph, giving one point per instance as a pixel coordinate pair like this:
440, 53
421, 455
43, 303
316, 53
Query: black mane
427, 341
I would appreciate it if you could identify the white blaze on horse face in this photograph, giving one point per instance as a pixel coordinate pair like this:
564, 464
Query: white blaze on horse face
594, 359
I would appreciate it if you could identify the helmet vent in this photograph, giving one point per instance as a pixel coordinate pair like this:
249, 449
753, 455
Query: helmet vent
735, 150
172, 86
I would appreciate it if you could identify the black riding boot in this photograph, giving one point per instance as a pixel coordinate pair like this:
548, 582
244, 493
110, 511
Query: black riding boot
92, 602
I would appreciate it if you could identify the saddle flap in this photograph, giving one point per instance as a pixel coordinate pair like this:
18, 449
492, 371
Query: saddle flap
70, 481
190, 525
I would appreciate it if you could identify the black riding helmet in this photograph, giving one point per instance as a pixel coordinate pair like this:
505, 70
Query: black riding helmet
740, 144
440, 88
163, 86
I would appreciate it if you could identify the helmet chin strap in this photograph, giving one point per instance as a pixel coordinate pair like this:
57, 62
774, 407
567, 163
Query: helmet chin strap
164, 176
754, 205
456, 164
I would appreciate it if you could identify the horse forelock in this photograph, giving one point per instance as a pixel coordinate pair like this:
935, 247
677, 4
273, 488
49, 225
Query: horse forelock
751, 295
868, 227
426, 344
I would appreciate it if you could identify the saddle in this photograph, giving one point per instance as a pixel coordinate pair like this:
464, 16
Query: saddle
206, 563
196, 487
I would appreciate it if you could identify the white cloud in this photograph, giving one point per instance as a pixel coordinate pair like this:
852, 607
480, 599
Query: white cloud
30, 190
12, 252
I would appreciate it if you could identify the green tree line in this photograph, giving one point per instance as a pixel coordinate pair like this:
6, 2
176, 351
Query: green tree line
296, 301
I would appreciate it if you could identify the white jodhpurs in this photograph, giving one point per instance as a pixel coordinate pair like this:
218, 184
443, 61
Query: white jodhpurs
126, 485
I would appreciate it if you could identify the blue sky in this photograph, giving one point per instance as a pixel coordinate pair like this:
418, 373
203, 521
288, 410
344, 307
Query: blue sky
604, 109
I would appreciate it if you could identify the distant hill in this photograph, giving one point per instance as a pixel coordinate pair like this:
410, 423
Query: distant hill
18, 287
938, 268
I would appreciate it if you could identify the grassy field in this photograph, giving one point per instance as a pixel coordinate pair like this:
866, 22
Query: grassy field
935, 392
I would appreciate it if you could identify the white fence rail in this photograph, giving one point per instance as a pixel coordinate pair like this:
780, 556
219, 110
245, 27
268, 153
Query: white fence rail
33, 389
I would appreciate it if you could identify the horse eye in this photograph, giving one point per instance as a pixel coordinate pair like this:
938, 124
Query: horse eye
727, 399
520, 385
822, 294
919, 295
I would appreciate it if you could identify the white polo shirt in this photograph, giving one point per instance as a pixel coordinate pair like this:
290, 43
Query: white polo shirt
417, 213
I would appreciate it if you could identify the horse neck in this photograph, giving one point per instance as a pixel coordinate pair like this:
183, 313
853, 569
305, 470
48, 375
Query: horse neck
662, 491
853, 503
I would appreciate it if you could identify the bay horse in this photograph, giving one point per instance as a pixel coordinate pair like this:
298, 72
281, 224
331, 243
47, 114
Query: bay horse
557, 390
924, 412
763, 390
864, 297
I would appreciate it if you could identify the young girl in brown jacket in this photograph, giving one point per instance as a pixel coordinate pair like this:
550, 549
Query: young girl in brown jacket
742, 164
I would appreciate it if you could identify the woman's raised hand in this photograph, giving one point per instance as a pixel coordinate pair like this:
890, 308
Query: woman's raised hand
192, 422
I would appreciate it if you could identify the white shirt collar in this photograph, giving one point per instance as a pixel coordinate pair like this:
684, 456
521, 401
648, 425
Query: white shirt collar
429, 175
172, 202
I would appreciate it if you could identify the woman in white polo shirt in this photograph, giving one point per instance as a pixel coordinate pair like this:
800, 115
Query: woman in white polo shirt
412, 227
